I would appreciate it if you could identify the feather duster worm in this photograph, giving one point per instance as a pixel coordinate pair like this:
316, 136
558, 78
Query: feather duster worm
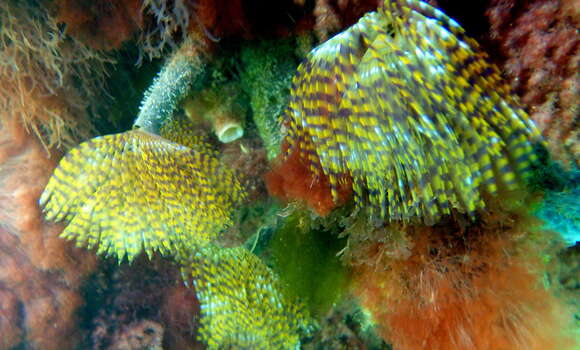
182, 130
405, 104
243, 304
135, 191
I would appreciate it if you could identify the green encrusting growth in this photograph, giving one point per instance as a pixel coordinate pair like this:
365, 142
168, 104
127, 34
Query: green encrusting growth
405, 105
268, 67
304, 255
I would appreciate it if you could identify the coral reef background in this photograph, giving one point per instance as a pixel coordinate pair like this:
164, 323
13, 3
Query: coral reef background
68, 73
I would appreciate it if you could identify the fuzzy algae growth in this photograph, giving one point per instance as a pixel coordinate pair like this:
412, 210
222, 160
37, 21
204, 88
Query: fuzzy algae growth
267, 75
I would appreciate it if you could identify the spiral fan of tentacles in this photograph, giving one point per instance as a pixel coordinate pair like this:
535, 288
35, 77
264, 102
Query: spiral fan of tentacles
135, 191
243, 305
180, 129
405, 104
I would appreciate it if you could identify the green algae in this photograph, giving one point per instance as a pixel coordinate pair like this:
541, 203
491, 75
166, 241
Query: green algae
268, 68
304, 256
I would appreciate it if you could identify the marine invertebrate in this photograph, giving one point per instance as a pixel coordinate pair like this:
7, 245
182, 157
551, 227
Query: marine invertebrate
541, 51
170, 87
404, 107
182, 130
405, 104
178, 83
243, 304
135, 191
220, 108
